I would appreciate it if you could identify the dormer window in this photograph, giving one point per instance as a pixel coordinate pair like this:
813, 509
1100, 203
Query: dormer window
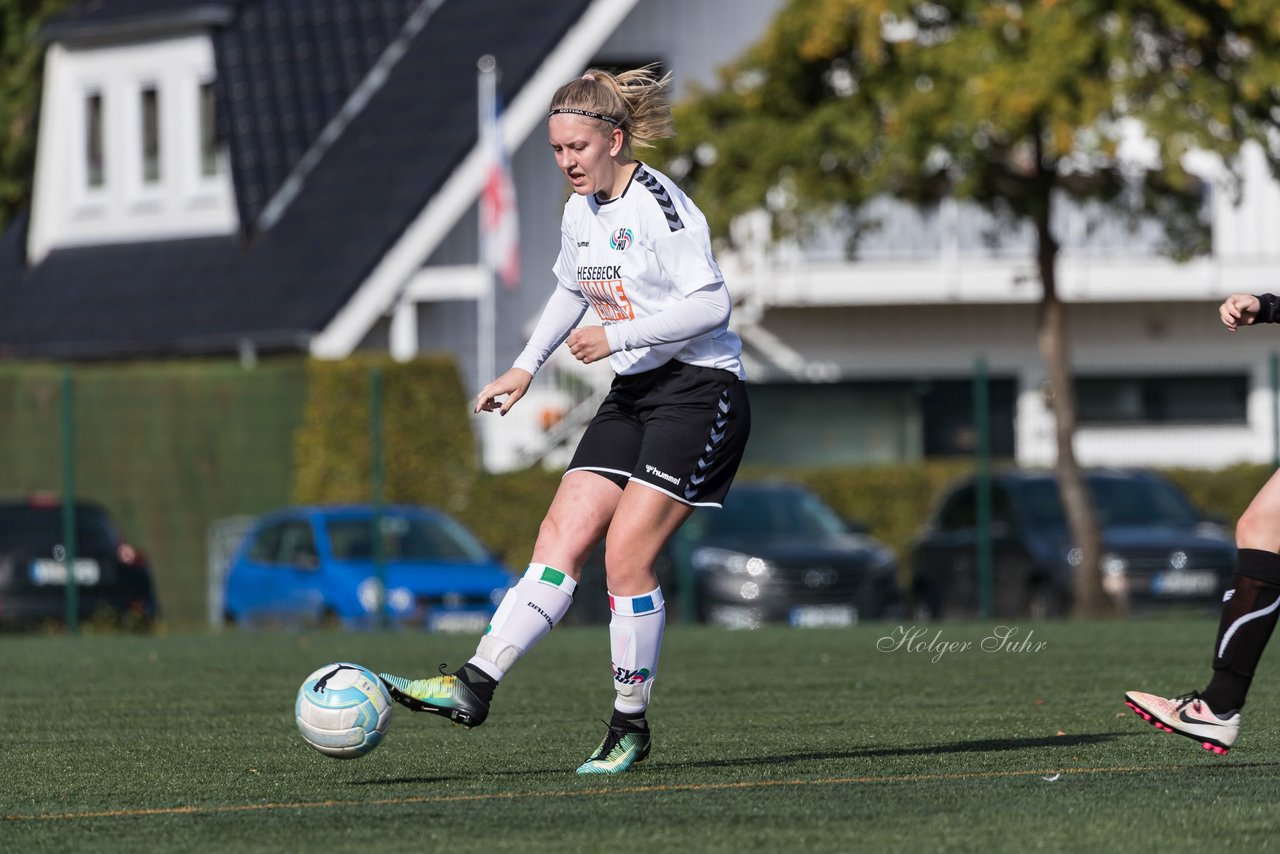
150, 135
137, 122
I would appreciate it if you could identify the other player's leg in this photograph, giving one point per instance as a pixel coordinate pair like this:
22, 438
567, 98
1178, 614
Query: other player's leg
1248, 617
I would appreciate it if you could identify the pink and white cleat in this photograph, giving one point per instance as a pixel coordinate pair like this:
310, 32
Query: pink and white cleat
1187, 715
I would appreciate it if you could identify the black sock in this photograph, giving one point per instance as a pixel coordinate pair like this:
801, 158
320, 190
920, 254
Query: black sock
1248, 618
481, 684
629, 721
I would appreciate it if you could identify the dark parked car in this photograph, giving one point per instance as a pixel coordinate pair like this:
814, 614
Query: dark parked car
776, 553
1158, 548
113, 580
317, 565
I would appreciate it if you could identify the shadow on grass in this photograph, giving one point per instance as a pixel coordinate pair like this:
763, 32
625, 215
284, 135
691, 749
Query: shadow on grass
978, 746
986, 745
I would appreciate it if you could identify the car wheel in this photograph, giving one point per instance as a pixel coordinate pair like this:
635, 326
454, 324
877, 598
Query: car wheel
134, 623
924, 605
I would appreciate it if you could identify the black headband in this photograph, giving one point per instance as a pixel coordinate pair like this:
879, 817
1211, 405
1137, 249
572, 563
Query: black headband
575, 111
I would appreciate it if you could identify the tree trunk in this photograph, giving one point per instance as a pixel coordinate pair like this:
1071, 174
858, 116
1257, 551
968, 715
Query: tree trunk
1090, 597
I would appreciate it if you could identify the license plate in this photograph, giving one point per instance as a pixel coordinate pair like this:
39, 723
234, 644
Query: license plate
471, 622
730, 617
823, 616
1201, 582
48, 571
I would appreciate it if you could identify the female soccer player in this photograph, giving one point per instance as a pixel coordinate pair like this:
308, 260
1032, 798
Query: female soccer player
669, 436
1249, 608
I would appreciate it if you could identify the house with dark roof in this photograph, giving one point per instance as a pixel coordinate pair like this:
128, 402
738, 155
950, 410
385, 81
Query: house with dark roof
267, 176
273, 176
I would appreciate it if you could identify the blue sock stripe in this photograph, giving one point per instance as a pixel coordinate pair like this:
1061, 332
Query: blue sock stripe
635, 606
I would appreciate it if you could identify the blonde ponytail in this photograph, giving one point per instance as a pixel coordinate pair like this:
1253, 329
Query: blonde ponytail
635, 101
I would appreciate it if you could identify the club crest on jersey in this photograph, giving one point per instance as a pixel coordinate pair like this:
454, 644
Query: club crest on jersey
621, 239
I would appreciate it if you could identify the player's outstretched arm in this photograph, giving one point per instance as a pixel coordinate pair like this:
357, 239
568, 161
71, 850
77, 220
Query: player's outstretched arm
1239, 310
514, 383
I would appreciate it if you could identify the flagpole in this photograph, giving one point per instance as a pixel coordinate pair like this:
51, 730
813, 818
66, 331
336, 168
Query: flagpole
486, 322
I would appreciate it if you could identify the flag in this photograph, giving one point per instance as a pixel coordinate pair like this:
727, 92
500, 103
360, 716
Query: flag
499, 226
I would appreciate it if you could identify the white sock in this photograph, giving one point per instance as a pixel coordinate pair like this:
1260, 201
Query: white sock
635, 639
528, 611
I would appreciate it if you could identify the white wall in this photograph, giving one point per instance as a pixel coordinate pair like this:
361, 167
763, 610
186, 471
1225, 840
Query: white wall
936, 342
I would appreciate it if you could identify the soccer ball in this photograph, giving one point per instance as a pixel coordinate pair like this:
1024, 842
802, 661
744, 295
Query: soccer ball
343, 710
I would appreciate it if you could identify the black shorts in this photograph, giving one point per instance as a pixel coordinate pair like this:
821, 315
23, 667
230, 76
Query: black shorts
680, 429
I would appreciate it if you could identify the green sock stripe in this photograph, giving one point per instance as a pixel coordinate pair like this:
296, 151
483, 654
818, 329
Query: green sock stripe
551, 576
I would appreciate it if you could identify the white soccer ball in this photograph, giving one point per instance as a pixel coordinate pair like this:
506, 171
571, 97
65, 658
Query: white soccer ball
343, 710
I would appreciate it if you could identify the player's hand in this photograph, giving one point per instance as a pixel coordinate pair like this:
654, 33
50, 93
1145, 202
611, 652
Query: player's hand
589, 344
1239, 310
514, 383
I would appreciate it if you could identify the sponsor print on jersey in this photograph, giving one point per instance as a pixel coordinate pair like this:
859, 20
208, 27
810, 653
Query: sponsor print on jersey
608, 298
621, 239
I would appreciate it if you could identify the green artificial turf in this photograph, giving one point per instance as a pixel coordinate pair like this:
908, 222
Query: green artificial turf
774, 740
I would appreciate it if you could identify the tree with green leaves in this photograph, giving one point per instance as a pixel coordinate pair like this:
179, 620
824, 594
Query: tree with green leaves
21, 56
1017, 106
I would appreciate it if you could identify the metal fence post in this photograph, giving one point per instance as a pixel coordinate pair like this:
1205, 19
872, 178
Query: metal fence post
376, 479
982, 486
69, 503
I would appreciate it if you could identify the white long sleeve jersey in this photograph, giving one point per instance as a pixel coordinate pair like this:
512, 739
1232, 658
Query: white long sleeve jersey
643, 262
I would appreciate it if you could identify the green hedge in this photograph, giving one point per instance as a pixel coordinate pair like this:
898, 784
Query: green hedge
429, 454
1222, 494
506, 509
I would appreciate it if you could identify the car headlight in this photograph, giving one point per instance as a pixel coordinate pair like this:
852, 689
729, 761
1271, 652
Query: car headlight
1111, 563
370, 595
400, 599
730, 563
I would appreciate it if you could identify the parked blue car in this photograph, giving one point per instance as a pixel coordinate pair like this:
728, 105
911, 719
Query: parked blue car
315, 565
